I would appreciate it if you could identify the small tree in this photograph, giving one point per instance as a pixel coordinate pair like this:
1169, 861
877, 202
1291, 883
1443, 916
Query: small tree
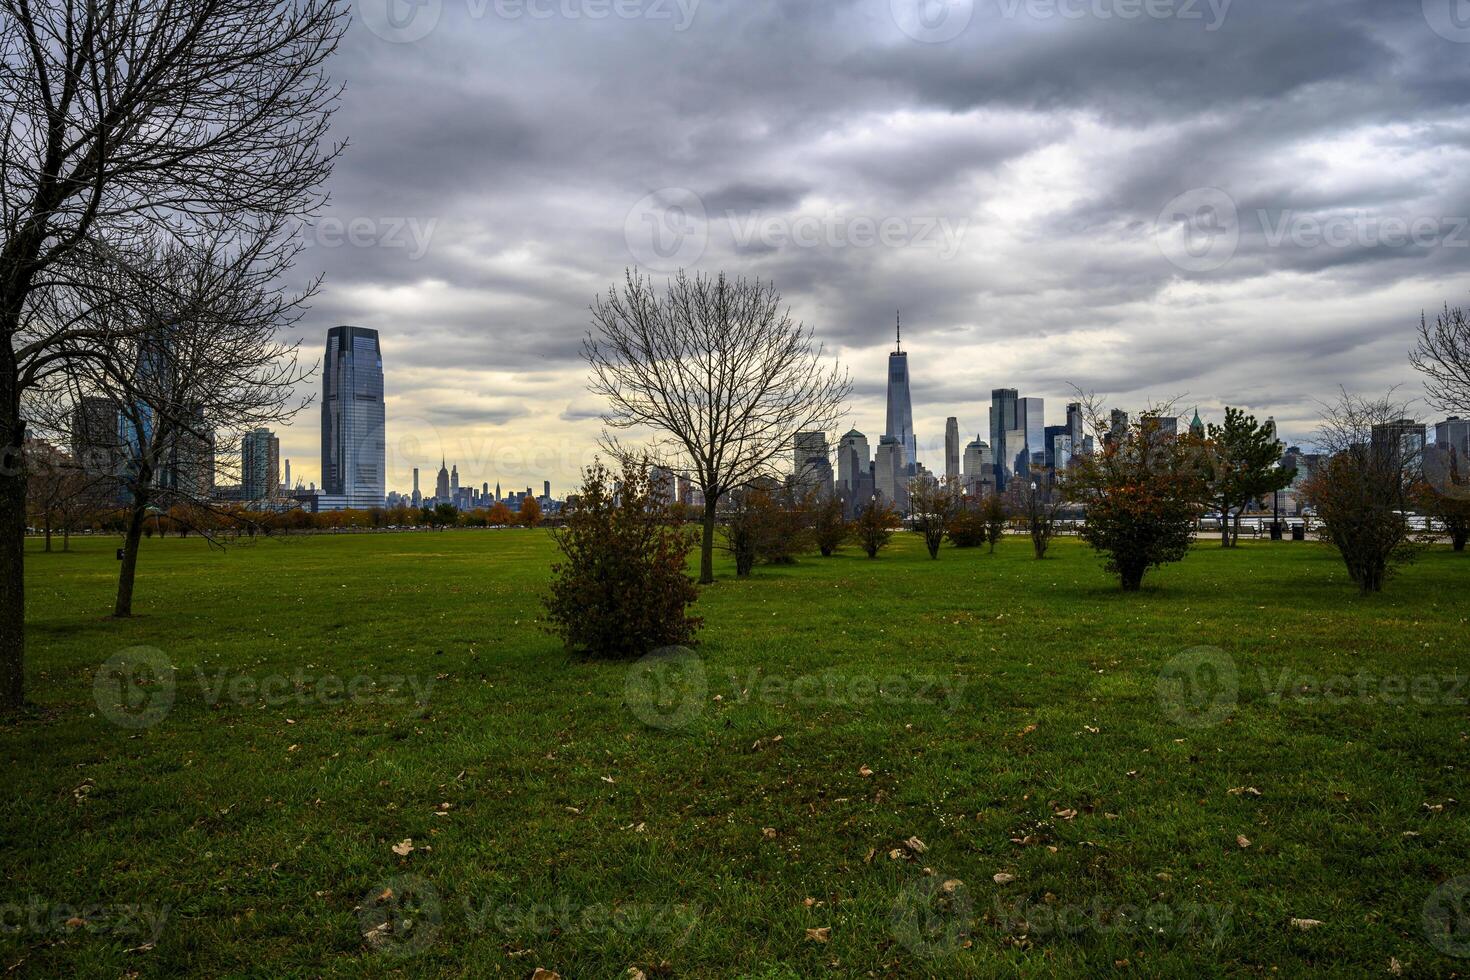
1444, 492
830, 528
1364, 487
994, 514
530, 513
967, 528
1241, 460
875, 526
933, 504
763, 523
1143, 492
1036, 502
621, 588
499, 515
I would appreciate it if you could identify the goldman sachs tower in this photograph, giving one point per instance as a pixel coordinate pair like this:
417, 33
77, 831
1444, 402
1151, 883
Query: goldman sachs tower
353, 450
900, 406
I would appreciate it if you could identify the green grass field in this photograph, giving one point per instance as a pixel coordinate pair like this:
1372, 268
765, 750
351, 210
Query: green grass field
1160, 808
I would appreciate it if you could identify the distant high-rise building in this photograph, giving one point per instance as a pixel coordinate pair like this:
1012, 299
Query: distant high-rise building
1002, 421
454, 480
497, 491
546, 489
853, 460
1169, 425
418, 498
260, 473
97, 442
442, 490
1403, 436
811, 467
891, 472
1454, 432
1076, 425
354, 451
900, 404
1030, 419
979, 467
287, 482
1117, 426
952, 448
1197, 425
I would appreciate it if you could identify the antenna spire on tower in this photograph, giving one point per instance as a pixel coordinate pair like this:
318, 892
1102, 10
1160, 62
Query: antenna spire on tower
898, 329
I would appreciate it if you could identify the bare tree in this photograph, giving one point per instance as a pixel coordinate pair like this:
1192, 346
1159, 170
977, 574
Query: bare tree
129, 119
1443, 357
1036, 500
1365, 485
718, 372
207, 368
933, 505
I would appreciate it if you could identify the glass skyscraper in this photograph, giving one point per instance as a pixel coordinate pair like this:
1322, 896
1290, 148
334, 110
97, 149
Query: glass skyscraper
900, 405
1002, 423
354, 452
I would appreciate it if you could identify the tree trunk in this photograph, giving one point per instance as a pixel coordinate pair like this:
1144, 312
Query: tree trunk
707, 545
136, 520
48, 535
12, 536
1131, 578
1458, 539
1224, 524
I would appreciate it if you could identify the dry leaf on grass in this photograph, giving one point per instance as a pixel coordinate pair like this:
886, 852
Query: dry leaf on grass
1242, 840
544, 974
404, 847
1305, 924
1002, 878
820, 935
864, 772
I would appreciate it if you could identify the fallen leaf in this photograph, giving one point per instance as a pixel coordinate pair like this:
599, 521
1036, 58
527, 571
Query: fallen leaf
1244, 790
1242, 840
1067, 814
1305, 924
769, 833
544, 974
820, 935
949, 886
1002, 878
404, 847
864, 772
1394, 966
916, 845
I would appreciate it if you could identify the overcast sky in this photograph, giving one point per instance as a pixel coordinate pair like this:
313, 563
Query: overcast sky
1241, 202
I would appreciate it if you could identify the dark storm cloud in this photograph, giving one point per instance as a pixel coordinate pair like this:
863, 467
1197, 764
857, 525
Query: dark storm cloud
513, 153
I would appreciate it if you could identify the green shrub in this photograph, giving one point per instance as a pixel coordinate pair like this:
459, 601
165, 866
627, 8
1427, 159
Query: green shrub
621, 588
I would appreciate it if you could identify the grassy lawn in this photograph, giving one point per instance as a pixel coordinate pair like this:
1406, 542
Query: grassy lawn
1019, 718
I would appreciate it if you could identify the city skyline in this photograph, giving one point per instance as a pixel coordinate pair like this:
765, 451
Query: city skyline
493, 217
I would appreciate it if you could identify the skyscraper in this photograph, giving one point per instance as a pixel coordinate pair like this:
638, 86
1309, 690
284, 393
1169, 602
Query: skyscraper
891, 473
900, 405
952, 448
1031, 421
260, 472
354, 451
811, 469
418, 498
1076, 428
441, 485
1002, 421
979, 467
